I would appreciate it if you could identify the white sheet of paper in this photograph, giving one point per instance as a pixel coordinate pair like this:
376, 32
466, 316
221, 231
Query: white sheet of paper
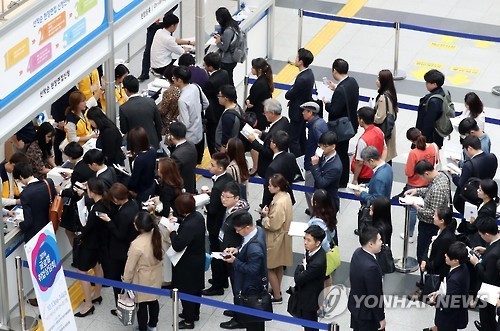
297, 229
489, 293
355, 187
324, 92
174, 256
319, 152
411, 199
168, 224
470, 210
217, 255
300, 164
453, 167
248, 130
201, 199
442, 287
82, 211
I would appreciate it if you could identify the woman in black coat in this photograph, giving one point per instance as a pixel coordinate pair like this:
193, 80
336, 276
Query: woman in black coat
142, 180
109, 139
170, 185
189, 273
380, 211
121, 233
488, 193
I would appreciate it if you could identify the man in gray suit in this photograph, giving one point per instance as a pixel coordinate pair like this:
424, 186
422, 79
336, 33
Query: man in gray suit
140, 111
184, 154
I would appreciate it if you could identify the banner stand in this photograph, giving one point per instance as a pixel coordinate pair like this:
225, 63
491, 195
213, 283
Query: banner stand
22, 322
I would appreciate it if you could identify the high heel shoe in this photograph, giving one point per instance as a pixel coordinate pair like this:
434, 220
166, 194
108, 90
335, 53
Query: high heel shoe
97, 300
88, 312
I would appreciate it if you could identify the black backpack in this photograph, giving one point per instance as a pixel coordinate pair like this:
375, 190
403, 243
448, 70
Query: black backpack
387, 126
469, 190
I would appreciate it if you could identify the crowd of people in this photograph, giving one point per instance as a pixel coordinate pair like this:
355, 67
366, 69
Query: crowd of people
162, 145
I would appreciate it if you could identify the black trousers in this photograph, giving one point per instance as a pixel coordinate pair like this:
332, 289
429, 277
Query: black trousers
425, 233
219, 270
308, 315
58, 139
211, 128
259, 326
190, 310
200, 149
342, 149
487, 316
147, 314
297, 138
358, 325
115, 270
146, 57
229, 67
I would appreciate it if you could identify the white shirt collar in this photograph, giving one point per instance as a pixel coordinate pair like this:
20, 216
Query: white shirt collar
481, 152
135, 95
376, 168
249, 236
215, 177
453, 268
180, 142
34, 180
327, 158
494, 241
369, 253
314, 252
340, 81
276, 154
101, 171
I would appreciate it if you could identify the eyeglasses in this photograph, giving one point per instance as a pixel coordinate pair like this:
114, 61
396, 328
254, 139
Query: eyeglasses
240, 229
222, 196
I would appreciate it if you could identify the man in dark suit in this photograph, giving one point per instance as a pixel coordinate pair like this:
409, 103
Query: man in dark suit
327, 170
35, 200
300, 93
451, 308
215, 215
283, 163
184, 154
140, 111
310, 275
272, 111
218, 78
366, 296
95, 159
486, 269
480, 165
344, 103
249, 264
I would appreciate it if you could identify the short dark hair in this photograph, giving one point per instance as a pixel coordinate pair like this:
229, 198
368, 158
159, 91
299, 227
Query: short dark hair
18, 158
229, 91
177, 130
73, 150
280, 139
305, 56
131, 83
328, 138
22, 169
183, 73
367, 114
457, 251
94, 156
212, 59
233, 188
341, 66
467, 125
434, 76
137, 140
221, 159
185, 204
486, 224
170, 19
186, 59
96, 185
242, 220
121, 70
422, 166
471, 141
368, 234
316, 232
167, 73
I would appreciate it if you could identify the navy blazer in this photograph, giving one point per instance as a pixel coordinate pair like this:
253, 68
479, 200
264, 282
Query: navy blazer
365, 276
344, 102
457, 284
327, 176
487, 270
250, 265
483, 165
285, 164
380, 185
300, 93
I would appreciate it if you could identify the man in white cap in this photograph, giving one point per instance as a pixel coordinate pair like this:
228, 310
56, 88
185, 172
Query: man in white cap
316, 127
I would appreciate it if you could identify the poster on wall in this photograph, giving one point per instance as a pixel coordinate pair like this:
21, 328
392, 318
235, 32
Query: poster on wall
122, 7
45, 266
43, 40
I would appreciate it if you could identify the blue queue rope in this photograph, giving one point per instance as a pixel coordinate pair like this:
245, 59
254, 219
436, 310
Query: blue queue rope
193, 298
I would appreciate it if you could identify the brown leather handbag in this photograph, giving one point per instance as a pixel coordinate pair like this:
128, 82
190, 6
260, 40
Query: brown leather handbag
56, 208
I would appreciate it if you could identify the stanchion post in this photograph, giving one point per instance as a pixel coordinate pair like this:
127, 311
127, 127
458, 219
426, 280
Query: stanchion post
245, 89
22, 322
397, 74
333, 327
175, 309
406, 264
301, 18
495, 90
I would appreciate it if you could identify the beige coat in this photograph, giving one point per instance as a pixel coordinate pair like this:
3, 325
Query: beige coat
142, 268
276, 225
379, 119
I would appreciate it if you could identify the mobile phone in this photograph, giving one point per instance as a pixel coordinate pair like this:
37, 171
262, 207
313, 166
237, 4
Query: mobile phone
471, 252
325, 81
225, 257
99, 214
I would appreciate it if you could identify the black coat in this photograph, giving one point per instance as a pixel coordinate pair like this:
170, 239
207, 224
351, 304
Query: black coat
211, 90
189, 273
95, 231
35, 201
108, 177
487, 270
265, 151
300, 93
186, 157
309, 282
231, 238
122, 230
167, 195
215, 209
365, 276
436, 263
457, 284
110, 142
285, 164
344, 102
259, 92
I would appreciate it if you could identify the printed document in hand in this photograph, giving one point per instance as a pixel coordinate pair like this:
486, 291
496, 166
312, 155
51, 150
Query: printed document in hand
174, 256
168, 224
489, 293
248, 130
355, 187
411, 199
442, 287
218, 255
122, 169
470, 210
297, 229
324, 92
201, 199
453, 167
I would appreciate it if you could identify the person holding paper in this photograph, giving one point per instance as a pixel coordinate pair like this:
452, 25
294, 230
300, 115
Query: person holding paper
230, 122
39, 152
260, 91
95, 159
188, 275
486, 269
184, 154
10, 188
450, 300
144, 267
142, 179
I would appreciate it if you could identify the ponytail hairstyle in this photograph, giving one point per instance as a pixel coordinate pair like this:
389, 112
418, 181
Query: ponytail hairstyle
490, 188
446, 214
415, 135
265, 69
144, 222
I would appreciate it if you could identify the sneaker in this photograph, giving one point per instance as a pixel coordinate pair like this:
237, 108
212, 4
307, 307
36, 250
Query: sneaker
410, 239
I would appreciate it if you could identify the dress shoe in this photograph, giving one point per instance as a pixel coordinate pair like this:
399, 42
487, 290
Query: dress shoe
33, 302
232, 324
183, 325
415, 296
478, 325
88, 312
97, 300
211, 282
142, 78
356, 232
196, 318
212, 291
113, 312
308, 212
228, 313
